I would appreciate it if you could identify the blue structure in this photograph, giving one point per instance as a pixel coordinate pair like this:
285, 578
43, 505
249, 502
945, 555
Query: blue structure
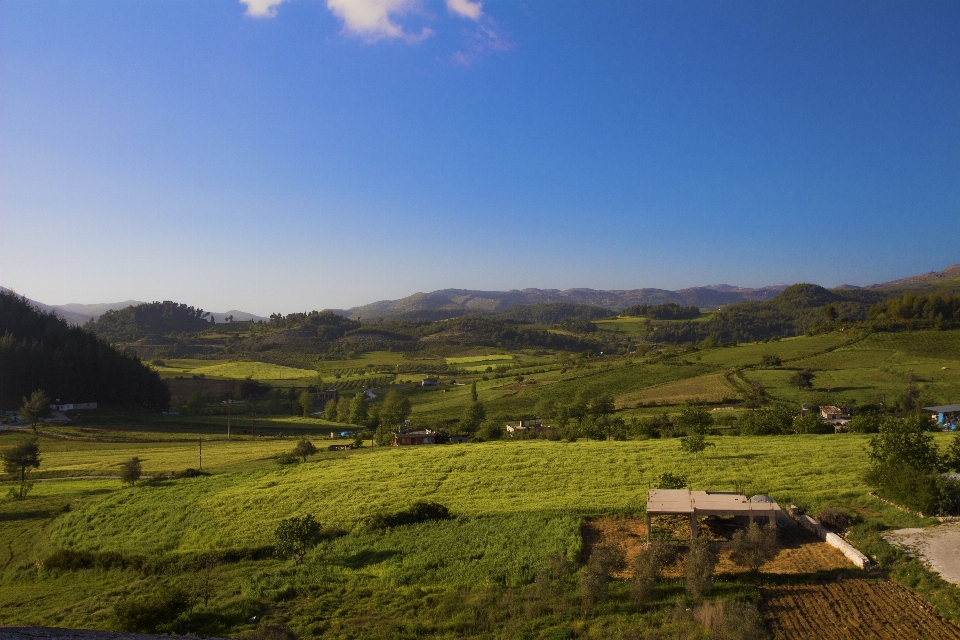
948, 415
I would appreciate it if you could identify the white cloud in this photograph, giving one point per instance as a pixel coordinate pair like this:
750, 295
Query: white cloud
484, 40
261, 8
372, 19
465, 8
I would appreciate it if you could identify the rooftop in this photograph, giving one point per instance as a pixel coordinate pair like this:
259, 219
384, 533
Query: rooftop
946, 408
684, 501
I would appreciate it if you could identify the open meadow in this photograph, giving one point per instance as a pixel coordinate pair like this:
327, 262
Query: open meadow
83, 546
514, 505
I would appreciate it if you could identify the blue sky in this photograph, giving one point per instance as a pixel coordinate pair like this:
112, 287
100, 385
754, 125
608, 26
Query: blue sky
328, 153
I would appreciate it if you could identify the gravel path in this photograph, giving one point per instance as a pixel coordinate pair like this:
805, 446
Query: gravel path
937, 546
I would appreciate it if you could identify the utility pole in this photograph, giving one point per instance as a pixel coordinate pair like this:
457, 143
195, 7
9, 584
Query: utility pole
201, 453
229, 402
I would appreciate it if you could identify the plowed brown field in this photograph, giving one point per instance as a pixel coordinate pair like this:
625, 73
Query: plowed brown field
851, 609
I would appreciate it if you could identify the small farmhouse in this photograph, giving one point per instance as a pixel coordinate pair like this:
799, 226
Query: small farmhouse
830, 413
405, 438
524, 426
429, 381
321, 399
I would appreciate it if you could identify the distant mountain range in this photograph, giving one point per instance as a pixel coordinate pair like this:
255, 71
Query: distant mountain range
455, 302
451, 303
448, 303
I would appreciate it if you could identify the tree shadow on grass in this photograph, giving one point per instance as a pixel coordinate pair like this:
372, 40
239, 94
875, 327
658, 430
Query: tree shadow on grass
25, 515
367, 557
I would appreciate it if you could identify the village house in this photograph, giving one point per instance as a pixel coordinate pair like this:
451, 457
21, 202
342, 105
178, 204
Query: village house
429, 381
405, 438
321, 399
830, 413
524, 426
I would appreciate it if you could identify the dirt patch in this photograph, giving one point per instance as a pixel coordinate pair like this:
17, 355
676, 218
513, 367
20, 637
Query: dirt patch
630, 534
802, 552
852, 609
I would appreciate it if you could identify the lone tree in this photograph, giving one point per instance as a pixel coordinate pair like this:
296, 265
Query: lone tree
695, 444
803, 379
35, 407
755, 546
303, 449
296, 536
130, 471
17, 459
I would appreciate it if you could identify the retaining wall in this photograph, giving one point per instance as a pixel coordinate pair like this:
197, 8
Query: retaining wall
832, 539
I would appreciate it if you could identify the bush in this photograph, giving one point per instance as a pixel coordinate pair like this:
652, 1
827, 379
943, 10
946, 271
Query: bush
864, 423
155, 613
648, 569
755, 546
698, 568
287, 458
669, 480
731, 620
835, 518
604, 560
272, 631
71, 560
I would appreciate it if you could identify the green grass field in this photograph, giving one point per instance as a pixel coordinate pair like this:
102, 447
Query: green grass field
231, 370
514, 502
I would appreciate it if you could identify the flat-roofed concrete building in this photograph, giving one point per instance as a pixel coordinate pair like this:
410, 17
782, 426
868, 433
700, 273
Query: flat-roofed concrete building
667, 502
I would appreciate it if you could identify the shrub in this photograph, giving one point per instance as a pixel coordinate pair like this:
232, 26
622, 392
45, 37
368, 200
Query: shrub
648, 569
755, 546
604, 560
770, 360
287, 458
418, 512
669, 480
731, 620
835, 518
189, 473
154, 613
272, 631
698, 568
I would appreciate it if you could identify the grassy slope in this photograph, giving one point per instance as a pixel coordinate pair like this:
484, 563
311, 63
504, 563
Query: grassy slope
531, 477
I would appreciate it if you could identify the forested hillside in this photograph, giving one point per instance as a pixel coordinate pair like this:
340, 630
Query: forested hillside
150, 318
41, 351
